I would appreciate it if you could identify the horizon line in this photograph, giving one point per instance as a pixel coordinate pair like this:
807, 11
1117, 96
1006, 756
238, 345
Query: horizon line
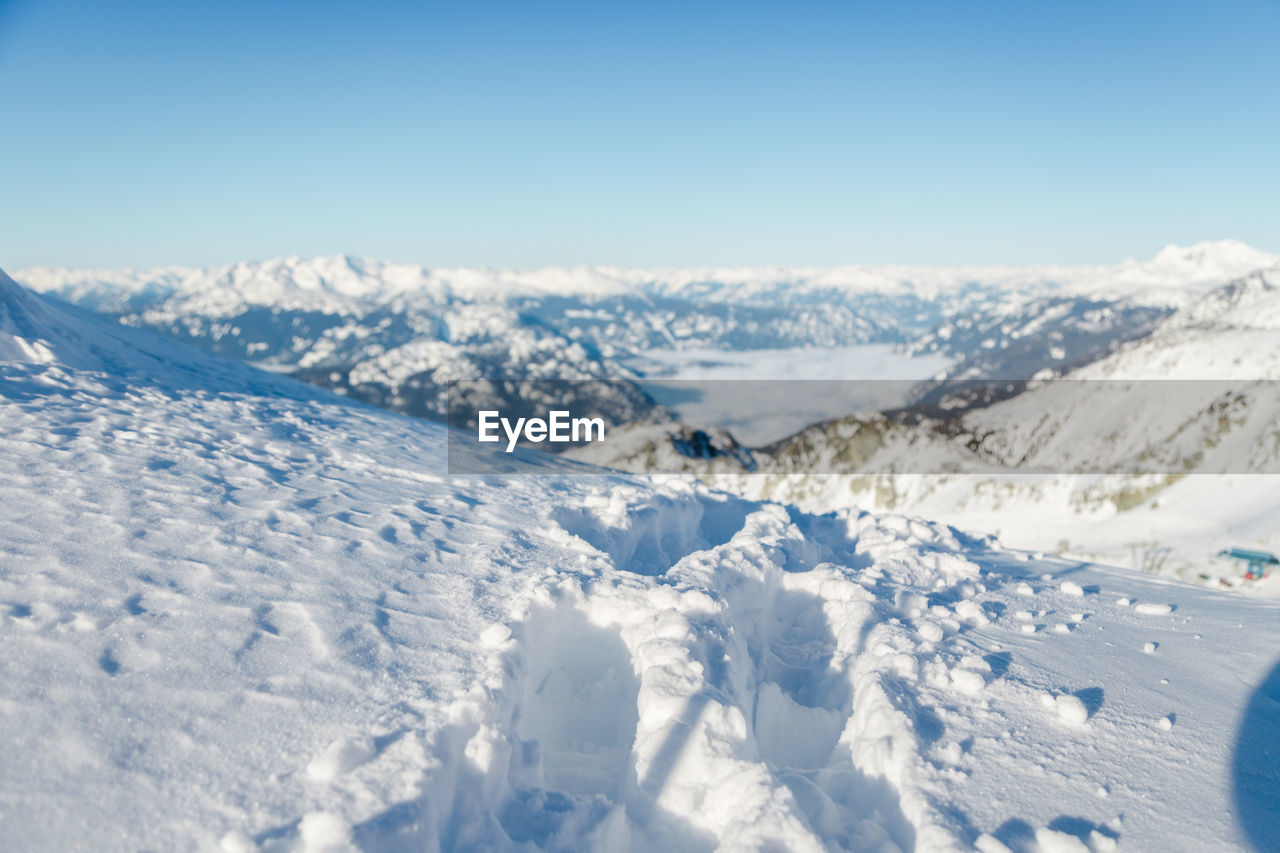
295, 257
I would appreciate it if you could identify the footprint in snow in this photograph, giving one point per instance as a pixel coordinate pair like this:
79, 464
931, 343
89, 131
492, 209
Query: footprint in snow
108, 663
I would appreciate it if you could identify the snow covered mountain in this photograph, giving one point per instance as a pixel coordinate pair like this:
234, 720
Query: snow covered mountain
393, 334
1148, 457
1045, 334
240, 613
1022, 335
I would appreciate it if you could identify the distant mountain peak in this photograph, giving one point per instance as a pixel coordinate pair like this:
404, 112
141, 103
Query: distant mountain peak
1215, 253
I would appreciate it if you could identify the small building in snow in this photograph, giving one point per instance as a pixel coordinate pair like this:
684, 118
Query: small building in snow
1259, 562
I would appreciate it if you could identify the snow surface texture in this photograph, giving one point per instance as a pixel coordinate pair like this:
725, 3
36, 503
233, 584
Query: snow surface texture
242, 614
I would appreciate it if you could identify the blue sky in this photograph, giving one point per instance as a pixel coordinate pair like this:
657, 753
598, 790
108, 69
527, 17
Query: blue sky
522, 134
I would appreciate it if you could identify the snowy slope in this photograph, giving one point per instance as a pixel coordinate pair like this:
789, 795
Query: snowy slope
1230, 332
239, 613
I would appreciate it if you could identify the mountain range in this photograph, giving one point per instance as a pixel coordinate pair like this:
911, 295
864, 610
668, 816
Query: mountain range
395, 334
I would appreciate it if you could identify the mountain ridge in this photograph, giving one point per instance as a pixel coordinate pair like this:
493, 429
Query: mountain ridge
353, 276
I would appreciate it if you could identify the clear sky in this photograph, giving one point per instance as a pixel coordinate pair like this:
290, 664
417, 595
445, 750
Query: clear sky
650, 133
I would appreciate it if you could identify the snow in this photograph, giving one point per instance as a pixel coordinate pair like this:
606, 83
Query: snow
342, 756
325, 280
240, 613
1071, 710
